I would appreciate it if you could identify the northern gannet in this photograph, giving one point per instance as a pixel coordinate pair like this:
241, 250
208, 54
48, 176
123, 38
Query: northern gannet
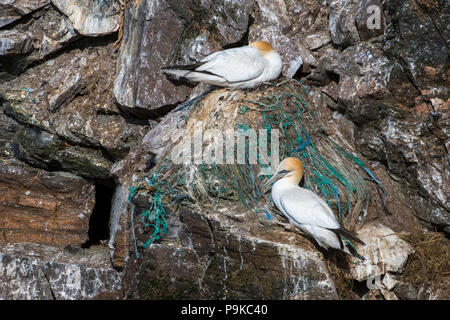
241, 68
306, 210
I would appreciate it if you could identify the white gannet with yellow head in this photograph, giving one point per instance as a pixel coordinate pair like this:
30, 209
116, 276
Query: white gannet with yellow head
306, 210
241, 68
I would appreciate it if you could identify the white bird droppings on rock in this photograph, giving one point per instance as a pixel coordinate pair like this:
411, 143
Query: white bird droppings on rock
384, 252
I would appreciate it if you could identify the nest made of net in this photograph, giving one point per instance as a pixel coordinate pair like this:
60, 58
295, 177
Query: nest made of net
331, 171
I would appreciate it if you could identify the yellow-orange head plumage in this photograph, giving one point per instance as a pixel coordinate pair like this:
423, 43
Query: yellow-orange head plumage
295, 166
262, 46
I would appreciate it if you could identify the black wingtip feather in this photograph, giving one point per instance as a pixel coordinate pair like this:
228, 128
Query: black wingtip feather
190, 67
355, 253
349, 235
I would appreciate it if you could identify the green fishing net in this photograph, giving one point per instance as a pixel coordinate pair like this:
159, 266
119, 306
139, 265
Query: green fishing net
330, 170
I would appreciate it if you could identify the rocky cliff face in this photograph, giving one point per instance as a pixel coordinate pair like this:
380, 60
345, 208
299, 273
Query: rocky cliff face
86, 114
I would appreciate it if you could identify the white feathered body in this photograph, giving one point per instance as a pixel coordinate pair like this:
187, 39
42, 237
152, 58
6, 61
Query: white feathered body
309, 212
244, 67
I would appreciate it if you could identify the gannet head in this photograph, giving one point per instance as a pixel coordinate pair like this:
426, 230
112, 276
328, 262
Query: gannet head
262, 46
275, 63
290, 170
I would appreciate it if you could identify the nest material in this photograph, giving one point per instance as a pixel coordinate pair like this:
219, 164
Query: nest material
330, 170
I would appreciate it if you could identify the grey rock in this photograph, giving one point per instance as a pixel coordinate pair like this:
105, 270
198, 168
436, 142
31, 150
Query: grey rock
307, 17
45, 150
317, 40
431, 212
417, 42
385, 252
12, 10
14, 43
155, 140
273, 13
84, 136
370, 19
39, 272
14, 46
406, 291
342, 22
417, 157
402, 137
440, 14
139, 82
54, 31
215, 263
46, 32
7, 132
84, 133
91, 18
366, 73
68, 89
378, 95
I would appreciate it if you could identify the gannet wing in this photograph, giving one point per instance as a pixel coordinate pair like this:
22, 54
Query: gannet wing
305, 207
234, 65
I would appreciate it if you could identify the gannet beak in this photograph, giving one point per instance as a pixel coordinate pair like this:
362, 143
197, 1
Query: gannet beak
277, 176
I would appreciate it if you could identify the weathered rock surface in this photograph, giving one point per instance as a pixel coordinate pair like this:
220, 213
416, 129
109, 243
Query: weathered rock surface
366, 78
342, 23
397, 95
218, 258
91, 18
39, 272
43, 207
352, 21
317, 41
370, 19
414, 39
68, 116
46, 32
14, 46
386, 257
384, 252
12, 42
12, 10
51, 30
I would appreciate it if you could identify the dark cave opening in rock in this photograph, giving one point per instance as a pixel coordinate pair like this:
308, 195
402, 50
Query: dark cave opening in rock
301, 74
100, 216
333, 76
359, 288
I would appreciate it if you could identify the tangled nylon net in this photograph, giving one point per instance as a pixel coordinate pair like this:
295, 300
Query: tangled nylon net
335, 173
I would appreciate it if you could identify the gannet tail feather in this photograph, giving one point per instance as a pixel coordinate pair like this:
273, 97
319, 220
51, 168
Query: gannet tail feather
190, 67
344, 232
192, 73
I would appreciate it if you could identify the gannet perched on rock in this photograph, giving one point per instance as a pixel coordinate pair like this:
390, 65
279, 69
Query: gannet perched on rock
306, 210
241, 68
